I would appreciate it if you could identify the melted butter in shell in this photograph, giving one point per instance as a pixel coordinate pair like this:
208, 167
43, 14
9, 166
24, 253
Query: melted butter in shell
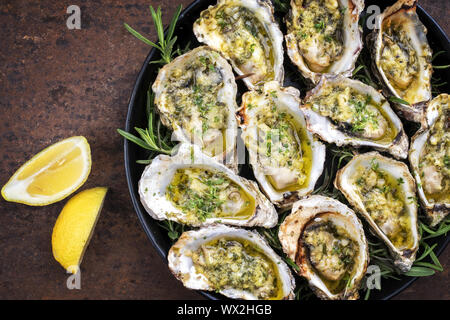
385, 201
283, 147
192, 102
203, 194
434, 166
234, 263
355, 113
243, 38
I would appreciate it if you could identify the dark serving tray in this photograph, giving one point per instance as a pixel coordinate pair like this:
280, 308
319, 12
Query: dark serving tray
136, 117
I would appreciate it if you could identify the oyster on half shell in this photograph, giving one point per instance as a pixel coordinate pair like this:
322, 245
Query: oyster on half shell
327, 242
286, 158
429, 157
246, 33
383, 191
195, 96
234, 262
348, 112
194, 189
324, 36
401, 58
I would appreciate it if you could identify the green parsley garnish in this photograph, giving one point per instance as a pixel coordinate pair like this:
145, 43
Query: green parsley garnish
447, 161
319, 26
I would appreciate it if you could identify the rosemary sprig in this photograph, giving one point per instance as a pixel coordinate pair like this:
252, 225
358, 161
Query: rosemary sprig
149, 138
442, 229
165, 43
437, 82
154, 138
362, 70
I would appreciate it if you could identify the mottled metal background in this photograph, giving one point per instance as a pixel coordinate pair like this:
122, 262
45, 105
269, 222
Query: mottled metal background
56, 83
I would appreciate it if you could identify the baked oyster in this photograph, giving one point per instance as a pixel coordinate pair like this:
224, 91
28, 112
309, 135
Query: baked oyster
286, 159
324, 36
234, 262
383, 191
194, 189
429, 157
195, 96
327, 242
246, 33
348, 112
401, 58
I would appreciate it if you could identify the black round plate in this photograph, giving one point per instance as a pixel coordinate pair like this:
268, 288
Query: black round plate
136, 117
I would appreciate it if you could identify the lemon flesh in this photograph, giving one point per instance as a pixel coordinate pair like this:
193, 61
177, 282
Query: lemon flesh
52, 174
74, 227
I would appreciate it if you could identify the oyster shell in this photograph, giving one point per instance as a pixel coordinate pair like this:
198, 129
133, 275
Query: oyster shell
195, 96
383, 191
286, 159
194, 189
201, 260
326, 240
348, 112
401, 58
324, 36
246, 33
429, 157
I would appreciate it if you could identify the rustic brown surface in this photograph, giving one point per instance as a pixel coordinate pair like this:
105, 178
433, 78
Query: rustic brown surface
55, 83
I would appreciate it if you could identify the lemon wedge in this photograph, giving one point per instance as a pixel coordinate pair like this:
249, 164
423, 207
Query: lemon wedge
74, 227
52, 174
